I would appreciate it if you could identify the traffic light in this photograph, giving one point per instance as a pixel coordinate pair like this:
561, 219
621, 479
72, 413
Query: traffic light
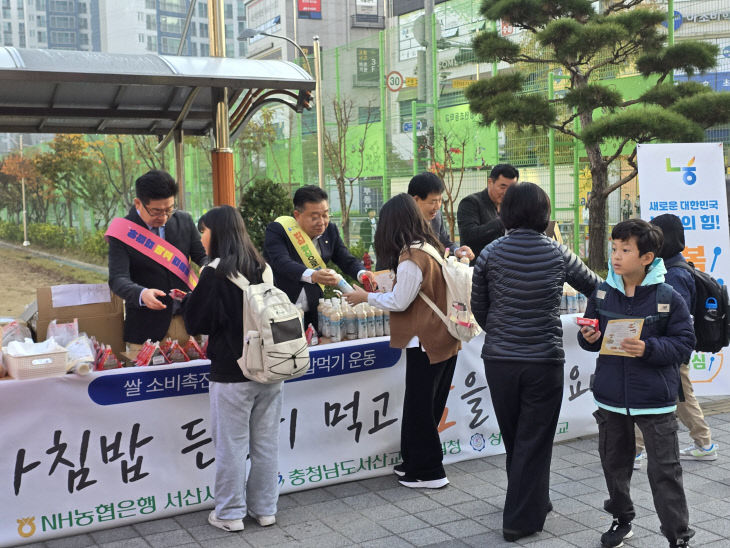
304, 101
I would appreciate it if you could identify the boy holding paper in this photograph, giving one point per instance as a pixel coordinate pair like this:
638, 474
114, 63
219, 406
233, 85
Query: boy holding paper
638, 383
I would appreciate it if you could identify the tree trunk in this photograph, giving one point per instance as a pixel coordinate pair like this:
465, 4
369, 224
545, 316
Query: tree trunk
341, 194
70, 213
597, 222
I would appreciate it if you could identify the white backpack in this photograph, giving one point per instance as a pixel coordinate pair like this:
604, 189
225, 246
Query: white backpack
459, 319
274, 346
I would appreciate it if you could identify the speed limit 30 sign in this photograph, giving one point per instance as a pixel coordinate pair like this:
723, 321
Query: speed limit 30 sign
394, 80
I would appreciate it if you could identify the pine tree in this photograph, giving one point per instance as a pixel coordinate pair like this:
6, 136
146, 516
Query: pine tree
571, 37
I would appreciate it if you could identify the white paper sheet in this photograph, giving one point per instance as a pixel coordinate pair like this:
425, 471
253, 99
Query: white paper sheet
78, 294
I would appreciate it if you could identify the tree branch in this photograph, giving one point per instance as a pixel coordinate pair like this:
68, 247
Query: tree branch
623, 5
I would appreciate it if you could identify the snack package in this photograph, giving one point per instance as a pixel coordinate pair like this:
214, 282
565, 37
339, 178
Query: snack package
192, 350
106, 359
591, 322
311, 335
15, 331
63, 333
175, 353
81, 356
150, 354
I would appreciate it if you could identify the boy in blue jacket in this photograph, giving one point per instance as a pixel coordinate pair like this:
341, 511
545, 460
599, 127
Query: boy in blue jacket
689, 412
641, 388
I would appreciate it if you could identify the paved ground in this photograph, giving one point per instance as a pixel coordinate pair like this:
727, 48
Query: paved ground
378, 512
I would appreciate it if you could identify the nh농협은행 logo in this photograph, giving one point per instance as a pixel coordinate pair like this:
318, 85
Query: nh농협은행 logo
689, 172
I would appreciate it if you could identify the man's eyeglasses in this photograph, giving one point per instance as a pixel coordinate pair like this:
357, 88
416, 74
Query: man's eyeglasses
157, 212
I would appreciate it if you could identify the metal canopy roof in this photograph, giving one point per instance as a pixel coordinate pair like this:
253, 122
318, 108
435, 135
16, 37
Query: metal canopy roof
58, 91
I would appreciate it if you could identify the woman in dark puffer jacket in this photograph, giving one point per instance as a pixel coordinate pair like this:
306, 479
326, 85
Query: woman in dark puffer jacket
516, 291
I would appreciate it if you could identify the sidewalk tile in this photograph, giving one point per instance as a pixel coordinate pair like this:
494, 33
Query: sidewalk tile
76, 541
169, 538
404, 524
307, 529
425, 536
463, 528
439, 516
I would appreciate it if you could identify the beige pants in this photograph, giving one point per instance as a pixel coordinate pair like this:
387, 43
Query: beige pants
176, 331
689, 412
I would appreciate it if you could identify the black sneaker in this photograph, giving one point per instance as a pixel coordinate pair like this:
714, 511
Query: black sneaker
399, 470
614, 537
684, 541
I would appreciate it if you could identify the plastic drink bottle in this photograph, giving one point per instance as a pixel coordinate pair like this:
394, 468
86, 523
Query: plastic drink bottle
386, 323
350, 323
378, 322
371, 320
362, 321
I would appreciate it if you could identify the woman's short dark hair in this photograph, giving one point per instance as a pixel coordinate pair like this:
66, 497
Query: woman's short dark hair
401, 223
229, 242
308, 193
425, 183
649, 238
525, 205
155, 185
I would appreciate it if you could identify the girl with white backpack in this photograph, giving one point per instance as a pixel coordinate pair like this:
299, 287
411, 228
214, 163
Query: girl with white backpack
244, 414
404, 242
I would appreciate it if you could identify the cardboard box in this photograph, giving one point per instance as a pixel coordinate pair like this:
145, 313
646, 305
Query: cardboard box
103, 320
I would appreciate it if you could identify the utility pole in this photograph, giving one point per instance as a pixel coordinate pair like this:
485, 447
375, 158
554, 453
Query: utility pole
26, 243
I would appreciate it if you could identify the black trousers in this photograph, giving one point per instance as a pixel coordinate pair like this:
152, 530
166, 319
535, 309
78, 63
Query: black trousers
616, 445
427, 388
526, 399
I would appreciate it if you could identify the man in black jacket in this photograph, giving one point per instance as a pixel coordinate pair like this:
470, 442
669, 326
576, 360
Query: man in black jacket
143, 283
300, 283
478, 213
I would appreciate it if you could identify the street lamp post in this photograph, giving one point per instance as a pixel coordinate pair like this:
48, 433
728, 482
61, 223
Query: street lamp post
250, 33
26, 243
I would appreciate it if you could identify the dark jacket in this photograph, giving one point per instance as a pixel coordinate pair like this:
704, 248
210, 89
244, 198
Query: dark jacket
652, 381
215, 309
516, 291
288, 267
439, 227
131, 272
479, 222
681, 280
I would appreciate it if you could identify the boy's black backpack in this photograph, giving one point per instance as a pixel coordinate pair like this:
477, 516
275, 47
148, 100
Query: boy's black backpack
711, 317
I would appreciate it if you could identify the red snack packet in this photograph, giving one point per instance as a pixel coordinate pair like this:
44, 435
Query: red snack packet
192, 350
590, 322
106, 359
175, 353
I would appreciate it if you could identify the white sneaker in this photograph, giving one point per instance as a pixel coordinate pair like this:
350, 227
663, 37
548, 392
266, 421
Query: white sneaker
225, 524
415, 483
640, 456
697, 452
263, 521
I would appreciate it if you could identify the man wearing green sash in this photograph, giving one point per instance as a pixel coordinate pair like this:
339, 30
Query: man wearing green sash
299, 248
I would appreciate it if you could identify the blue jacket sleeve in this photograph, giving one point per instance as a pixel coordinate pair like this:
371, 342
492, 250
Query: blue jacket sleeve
590, 312
677, 344
682, 281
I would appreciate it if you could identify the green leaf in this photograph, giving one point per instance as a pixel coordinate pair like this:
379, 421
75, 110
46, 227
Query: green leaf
666, 94
642, 124
535, 13
489, 47
690, 56
705, 109
592, 96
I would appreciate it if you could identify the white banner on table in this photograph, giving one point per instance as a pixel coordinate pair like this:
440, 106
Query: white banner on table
688, 180
113, 448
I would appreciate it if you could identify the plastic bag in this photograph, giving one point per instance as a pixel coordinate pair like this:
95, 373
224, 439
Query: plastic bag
80, 355
64, 333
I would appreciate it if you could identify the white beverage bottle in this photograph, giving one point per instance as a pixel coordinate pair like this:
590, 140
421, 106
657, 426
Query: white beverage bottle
335, 324
350, 323
371, 320
379, 328
386, 323
362, 321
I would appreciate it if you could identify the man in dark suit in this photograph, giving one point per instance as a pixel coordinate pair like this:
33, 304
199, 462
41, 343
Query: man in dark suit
143, 283
427, 190
300, 283
478, 213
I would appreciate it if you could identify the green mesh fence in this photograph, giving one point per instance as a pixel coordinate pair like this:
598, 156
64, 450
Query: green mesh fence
393, 109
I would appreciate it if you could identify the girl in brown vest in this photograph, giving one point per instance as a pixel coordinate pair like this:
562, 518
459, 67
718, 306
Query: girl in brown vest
430, 349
